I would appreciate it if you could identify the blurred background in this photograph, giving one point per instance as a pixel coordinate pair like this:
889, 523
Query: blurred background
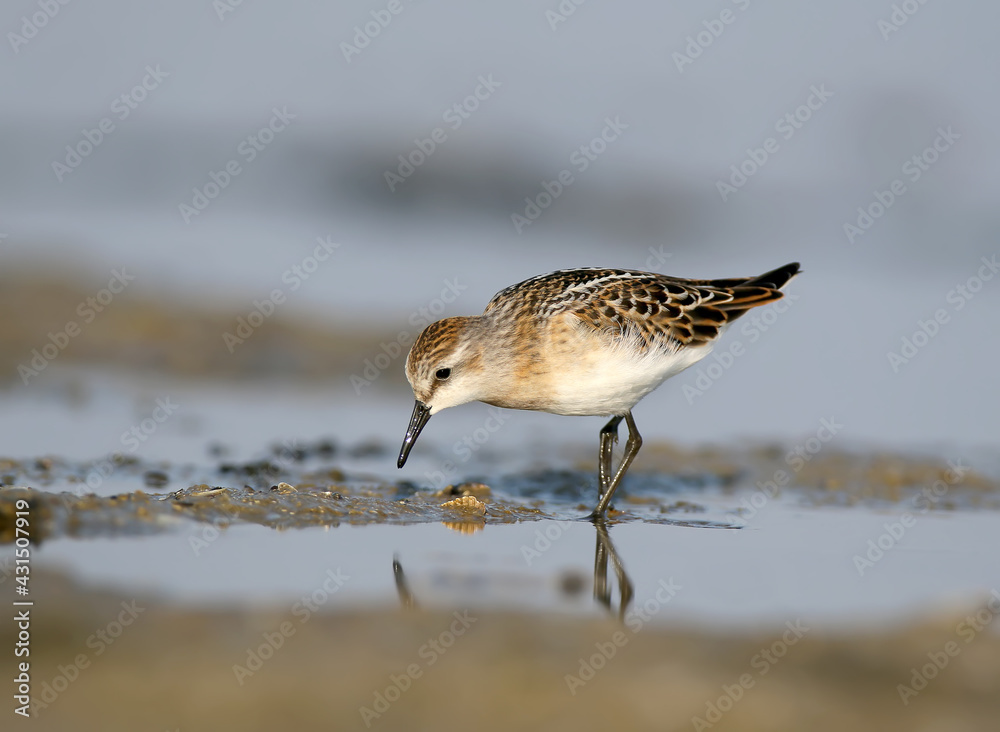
222, 223
697, 89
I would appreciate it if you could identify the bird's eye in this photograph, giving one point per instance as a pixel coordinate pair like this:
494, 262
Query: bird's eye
442, 374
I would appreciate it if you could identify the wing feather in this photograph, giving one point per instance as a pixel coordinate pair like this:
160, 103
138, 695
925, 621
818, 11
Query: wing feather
661, 311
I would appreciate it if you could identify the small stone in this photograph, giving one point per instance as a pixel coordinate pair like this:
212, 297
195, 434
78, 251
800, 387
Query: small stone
368, 449
156, 478
204, 490
217, 449
326, 449
572, 583
466, 503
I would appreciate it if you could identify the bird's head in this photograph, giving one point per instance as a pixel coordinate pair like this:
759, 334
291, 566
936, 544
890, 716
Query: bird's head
444, 368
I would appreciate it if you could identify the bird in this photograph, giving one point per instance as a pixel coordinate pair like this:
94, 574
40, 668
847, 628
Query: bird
583, 342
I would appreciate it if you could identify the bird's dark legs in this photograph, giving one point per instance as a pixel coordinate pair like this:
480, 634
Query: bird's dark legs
607, 484
609, 435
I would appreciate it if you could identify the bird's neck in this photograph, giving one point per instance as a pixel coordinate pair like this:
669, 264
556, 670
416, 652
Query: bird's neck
513, 369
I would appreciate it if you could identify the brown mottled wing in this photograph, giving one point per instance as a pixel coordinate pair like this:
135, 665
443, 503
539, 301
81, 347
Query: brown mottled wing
551, 293
665, 312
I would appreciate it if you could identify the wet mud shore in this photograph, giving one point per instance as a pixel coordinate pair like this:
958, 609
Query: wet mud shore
156, 666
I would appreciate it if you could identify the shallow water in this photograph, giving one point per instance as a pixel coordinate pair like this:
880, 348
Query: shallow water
702, 519
795, 563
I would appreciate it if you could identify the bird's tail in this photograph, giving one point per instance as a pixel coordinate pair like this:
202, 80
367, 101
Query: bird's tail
776, 278
756, 291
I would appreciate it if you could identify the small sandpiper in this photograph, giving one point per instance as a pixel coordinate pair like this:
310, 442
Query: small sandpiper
587, 342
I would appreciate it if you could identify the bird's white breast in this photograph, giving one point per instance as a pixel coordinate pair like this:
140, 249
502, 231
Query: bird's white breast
600, 379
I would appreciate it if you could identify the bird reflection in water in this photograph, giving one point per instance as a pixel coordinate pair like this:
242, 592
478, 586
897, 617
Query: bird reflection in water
605, 553
406, 598
602, 590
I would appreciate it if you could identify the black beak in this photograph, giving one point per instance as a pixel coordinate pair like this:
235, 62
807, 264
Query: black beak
421, 413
